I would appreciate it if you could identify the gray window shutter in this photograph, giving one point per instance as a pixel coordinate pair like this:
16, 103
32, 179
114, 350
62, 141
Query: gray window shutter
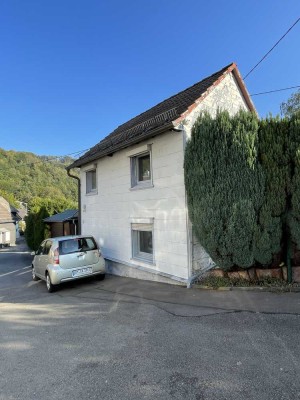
142, 227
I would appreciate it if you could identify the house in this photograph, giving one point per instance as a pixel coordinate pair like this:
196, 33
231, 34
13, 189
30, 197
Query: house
9, 222
133, 198
63, 224
22, 212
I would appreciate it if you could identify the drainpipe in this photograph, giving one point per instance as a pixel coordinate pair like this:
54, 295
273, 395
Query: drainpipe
79, 200
73, 222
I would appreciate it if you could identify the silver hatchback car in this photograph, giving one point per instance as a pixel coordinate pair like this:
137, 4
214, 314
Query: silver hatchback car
66, 258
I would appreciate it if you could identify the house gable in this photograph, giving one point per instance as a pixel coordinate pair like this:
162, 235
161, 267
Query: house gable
162, 117
226, 95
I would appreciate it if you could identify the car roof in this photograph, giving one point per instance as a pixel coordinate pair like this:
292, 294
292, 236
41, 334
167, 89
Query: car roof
58, 238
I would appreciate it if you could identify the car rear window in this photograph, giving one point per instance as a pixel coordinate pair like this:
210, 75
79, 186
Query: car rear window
77, 244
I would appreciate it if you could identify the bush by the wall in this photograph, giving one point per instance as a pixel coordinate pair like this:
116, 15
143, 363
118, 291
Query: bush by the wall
224, 184
294, 196
36, 230
243, 185
274, 157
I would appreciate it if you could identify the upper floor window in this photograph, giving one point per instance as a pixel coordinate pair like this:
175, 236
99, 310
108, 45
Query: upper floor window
141, 175
91, 181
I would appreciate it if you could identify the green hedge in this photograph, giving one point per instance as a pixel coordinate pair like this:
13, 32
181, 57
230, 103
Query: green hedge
224, 184
36, 230
242, 177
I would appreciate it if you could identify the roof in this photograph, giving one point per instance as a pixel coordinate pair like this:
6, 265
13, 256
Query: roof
70, 237
5, 212
63, 216
15, 213
159, 118
22, 213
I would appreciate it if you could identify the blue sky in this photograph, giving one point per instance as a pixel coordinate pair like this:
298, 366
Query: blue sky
71, 71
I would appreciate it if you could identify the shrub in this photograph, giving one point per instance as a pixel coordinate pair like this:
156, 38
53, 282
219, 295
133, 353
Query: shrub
274, 157
294, 197
224, 184
36, 230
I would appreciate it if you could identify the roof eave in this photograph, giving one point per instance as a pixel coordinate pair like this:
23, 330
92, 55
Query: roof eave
58, 221
157, 131
243, 88
231, 68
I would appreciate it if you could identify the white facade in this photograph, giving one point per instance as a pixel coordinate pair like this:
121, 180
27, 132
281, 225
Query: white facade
109, 211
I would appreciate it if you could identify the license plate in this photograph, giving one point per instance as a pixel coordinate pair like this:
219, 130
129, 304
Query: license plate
82, 271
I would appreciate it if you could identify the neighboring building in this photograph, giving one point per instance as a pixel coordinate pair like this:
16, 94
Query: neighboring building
133, 198
9, 220
63, 224
22, 212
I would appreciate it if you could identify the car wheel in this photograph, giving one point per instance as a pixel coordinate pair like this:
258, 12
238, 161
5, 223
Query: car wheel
101, 277
34, 277
50, 286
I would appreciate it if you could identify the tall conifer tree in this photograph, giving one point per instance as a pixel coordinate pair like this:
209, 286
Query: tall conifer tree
224, 184
274, 157
294, 200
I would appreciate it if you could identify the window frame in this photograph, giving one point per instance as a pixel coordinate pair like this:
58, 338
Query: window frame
134, 171
137, 254
95, 190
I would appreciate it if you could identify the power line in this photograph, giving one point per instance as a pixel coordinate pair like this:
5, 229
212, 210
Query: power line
265, 56
54, 158
275, 90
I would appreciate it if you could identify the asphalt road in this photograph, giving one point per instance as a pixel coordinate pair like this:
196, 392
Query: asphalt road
129, 339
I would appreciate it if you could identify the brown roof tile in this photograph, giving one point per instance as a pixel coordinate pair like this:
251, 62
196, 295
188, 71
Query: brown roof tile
156, 120
5, 213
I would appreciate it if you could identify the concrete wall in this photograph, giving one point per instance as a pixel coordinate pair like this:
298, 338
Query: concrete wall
11, 226
109, 213
201, 261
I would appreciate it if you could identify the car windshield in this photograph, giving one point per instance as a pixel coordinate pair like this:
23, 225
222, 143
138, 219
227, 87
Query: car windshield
77, 244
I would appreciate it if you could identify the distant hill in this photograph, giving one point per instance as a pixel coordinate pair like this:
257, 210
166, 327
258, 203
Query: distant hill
26, 175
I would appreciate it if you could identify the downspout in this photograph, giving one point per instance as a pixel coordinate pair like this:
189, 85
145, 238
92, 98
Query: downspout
73, 223
79, 200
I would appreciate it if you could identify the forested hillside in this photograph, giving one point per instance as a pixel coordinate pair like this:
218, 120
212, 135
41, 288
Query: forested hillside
24, 176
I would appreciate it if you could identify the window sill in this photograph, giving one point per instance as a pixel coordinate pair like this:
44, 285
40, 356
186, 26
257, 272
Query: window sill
140, 187
92, 193
143, 261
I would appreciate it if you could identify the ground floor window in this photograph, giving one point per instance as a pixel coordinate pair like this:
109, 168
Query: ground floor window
142, 242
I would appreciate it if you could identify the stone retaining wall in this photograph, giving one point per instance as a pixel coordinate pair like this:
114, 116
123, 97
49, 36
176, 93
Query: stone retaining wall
253, 274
